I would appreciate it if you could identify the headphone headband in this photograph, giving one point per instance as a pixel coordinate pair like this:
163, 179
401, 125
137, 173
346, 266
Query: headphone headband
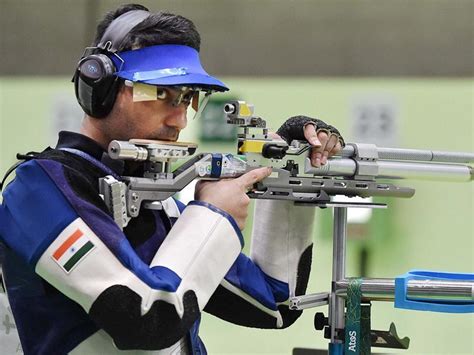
114, 35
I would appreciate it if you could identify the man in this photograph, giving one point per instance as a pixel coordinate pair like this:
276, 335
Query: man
76, 282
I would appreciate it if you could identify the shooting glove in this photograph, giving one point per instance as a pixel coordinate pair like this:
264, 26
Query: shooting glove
294, 126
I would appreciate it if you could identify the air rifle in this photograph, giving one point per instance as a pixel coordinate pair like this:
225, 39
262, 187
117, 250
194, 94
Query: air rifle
358, 170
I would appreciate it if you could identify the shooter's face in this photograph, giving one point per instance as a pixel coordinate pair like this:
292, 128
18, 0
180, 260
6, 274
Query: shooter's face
156, 119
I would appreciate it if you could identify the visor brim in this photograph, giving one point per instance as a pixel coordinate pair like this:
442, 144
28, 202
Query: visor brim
165, 64
192, 80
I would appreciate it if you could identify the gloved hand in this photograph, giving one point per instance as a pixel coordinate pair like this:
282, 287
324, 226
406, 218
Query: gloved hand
325, 139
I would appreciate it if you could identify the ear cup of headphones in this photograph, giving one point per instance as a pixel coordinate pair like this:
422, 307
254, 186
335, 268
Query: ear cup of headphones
96, 85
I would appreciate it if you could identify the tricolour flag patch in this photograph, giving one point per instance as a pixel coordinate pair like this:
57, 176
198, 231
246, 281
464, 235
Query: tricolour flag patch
72, 250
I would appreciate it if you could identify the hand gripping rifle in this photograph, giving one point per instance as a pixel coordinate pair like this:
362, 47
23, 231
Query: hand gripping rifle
362, 170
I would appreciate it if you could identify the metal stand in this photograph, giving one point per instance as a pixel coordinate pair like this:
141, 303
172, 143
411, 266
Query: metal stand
336, 303
372, 289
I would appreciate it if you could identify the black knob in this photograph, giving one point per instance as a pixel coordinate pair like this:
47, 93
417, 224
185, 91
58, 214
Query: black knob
327, 333
273, 151
320, 321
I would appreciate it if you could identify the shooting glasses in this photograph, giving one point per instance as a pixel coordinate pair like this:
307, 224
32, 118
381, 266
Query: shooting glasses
194, 97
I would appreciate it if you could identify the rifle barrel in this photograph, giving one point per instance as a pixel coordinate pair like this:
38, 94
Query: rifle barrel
425, 171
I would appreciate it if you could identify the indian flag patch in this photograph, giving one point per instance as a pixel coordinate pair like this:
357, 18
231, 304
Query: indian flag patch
72, 250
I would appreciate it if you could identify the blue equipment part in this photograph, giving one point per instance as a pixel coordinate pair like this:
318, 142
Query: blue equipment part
446, 306
165, 64
336, 348
216, 165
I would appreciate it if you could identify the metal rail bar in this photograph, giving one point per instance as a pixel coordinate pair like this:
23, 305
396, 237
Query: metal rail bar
396, 169
309, 301
416, 155
384, 290
425, 171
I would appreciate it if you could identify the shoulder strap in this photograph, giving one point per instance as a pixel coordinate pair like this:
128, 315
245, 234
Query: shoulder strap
22, 158
92, 160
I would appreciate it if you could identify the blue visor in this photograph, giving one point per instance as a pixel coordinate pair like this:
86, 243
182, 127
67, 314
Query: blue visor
165, 64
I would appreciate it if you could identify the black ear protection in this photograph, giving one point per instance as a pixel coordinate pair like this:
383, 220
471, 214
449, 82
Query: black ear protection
95, 84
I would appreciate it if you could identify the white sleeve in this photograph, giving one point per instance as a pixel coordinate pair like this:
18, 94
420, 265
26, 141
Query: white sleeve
281, 233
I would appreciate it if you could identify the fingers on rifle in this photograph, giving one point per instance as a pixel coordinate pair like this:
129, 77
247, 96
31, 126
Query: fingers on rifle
274, 135
330, 145
249, 179
317, 152
337, 148
316, 156
323, 137
311, 135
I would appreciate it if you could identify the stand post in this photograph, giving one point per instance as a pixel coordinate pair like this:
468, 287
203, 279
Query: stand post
336, 303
